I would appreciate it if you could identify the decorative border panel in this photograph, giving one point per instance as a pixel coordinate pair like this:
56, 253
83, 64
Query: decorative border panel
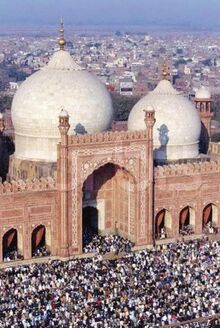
86, 160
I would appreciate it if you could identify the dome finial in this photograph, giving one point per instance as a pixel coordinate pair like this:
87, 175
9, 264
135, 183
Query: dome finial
62, 40
165, 72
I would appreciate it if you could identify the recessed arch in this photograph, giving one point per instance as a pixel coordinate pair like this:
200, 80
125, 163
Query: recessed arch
163, 224
10, 245
111, 189
187, 220
125, 165
40, 241
210, 215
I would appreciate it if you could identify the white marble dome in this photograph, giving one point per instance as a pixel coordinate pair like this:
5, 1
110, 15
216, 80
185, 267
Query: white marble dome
177, 128
37, 104
203, 93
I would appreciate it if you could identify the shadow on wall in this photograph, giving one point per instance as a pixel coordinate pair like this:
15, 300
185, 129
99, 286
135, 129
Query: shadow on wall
203, 140
7, 148
160, 154
80, 129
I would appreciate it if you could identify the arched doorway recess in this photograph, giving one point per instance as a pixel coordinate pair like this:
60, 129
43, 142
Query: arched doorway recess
210, 218
10, 245
40, 244
163, 224
111, 192
187, 221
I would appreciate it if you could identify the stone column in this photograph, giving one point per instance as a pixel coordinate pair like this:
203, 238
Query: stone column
150, 121
63, 183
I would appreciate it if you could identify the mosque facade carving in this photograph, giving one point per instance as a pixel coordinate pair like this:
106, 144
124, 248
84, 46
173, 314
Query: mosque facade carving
147, 183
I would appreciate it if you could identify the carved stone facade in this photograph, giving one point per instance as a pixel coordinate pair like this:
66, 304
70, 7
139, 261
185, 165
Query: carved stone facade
193, 185
114, 173
26, 205
86, 160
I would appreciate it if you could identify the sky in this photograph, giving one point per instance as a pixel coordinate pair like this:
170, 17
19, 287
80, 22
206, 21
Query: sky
198, 14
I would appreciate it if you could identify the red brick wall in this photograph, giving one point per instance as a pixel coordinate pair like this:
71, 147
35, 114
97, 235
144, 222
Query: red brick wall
196, 190
26, 210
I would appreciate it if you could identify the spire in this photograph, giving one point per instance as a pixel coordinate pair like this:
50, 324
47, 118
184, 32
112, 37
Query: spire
62, 40
165, 74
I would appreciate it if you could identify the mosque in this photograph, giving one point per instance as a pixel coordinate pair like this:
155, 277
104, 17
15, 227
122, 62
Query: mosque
69, 171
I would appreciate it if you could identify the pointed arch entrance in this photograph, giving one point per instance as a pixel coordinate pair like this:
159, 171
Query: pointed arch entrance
10, 245
187, 220
111, 190
163, 224
40, 241
210, 215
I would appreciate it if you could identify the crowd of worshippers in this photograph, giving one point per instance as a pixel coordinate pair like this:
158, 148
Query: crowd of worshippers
186, 230
145, 289
210, 229
12, 255
109, 243
41, 251
212, 323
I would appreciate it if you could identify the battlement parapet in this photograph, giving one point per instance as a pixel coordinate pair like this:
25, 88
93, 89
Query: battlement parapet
187, 169
28, 185
109, 136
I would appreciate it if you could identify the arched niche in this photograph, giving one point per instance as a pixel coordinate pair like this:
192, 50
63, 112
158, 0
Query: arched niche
187, 220
210, 215
111, 189
40, 241
12, 245
163, 224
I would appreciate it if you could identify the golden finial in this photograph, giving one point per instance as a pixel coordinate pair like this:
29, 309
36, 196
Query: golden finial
165, 72
62, 40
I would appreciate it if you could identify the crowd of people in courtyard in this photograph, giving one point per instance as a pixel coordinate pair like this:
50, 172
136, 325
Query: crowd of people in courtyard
144, 289
41, 251
12, 255
186, 230
210, 229
109, 243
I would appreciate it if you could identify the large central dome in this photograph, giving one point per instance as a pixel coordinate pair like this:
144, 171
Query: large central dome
38, 101
177, 128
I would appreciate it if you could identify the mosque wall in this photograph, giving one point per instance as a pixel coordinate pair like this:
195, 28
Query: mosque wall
125, 205
193, 185
24, 206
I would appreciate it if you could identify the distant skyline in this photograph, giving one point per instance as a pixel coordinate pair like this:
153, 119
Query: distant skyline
180, 14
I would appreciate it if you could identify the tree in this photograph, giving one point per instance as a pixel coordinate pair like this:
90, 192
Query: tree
123, 105
5, 103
